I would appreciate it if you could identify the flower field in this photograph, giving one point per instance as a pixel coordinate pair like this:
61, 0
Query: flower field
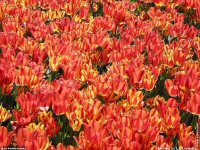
100, 74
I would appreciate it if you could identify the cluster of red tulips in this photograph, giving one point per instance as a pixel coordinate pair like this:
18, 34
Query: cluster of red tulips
99, 74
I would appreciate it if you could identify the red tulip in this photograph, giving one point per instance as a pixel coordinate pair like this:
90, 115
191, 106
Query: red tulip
32, 140
5, 137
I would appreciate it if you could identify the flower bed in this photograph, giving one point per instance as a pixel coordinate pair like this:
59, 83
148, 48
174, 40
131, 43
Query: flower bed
99, 74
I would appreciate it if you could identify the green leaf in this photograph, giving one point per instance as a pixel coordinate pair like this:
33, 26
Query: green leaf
66, 134
53, 75
133, 1
159, 88
99, 12
189, 119
101, 98
175, 141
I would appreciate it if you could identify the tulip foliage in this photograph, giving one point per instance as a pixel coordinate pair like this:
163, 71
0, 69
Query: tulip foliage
99, 74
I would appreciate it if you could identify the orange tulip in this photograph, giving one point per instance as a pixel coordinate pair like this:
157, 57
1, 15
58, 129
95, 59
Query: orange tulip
186, 137
31, 140
29, 76
135, 98
4, 114
171, 88
24, 118
5, 137
51, 126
